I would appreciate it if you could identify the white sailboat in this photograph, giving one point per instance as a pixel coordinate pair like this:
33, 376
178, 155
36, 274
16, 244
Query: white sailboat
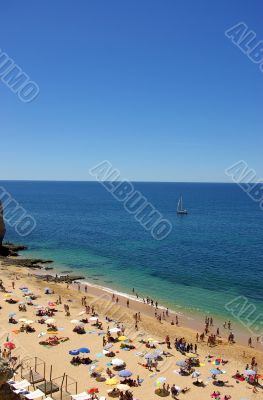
180, 209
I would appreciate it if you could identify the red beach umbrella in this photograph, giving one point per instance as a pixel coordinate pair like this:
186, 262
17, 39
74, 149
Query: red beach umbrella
9, 345
93, 390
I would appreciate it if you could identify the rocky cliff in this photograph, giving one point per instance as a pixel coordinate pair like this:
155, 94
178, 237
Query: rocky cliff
2, 224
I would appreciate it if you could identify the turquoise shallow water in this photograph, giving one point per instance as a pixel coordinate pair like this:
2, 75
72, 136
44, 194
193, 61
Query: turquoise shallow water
212, 255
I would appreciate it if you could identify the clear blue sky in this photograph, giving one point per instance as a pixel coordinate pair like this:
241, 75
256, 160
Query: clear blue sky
153, 86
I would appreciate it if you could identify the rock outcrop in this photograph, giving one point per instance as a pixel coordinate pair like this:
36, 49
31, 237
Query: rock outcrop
6, 372
2, 224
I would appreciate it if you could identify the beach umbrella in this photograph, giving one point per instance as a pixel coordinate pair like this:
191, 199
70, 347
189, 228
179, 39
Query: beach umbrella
196, 374
21, 303
29, 322
215, 371
182, 364
93, 319
74, 352
81, 313
12, 314
23, 288
98, 369
160, 381
51, 304
117, 362
50, 321
115, 330
84, 350
157, 353
150, 356
108, 346
178, 388
250, 372
112, 381
122, 338
10, 345
75, 321
125, 373
93, 390
105, 352
122, 387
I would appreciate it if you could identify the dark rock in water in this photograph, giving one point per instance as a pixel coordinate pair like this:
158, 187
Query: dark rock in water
10, 249
22, 262
48, 268
66, 272
15, 247
62, 278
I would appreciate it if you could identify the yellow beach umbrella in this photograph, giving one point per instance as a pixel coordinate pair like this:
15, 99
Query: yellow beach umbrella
8, 295
112, 381
121, 338
99, 369
150, 339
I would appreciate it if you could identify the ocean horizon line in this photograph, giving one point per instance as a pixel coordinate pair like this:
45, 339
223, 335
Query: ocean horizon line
123, 180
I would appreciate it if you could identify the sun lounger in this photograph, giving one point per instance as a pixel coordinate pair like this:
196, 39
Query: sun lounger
24, 384
34, 395
81, 396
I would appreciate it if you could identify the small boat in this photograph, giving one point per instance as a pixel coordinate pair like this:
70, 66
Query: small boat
180, 209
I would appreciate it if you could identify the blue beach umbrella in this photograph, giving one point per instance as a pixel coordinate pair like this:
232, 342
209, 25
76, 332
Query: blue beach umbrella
195, 374
215, 371
12, 314
74, 352
125, 373
84, 350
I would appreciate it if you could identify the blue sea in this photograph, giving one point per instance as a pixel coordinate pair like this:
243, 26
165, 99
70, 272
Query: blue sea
211, 256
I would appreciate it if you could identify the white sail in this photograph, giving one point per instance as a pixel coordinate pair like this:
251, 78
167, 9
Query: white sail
180, 209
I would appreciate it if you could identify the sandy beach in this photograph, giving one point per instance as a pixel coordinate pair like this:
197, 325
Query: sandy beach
27, 344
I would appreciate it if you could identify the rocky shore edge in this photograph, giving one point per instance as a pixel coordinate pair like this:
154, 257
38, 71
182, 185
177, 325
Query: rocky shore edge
9, 255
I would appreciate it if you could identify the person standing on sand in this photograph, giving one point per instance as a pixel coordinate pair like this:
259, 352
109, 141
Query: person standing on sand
197, 336
176, 320
250, 342
13, 285
86, 288
128, 303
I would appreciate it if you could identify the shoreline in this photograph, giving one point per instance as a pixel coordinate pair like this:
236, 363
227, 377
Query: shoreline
193, 320
188, 320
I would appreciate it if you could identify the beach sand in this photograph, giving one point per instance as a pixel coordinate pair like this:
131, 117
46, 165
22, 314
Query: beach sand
27, 345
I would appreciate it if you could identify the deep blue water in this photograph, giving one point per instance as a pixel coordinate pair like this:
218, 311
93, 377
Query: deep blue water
212, 255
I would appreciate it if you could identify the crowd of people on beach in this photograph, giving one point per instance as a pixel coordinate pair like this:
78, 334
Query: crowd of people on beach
153, 362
